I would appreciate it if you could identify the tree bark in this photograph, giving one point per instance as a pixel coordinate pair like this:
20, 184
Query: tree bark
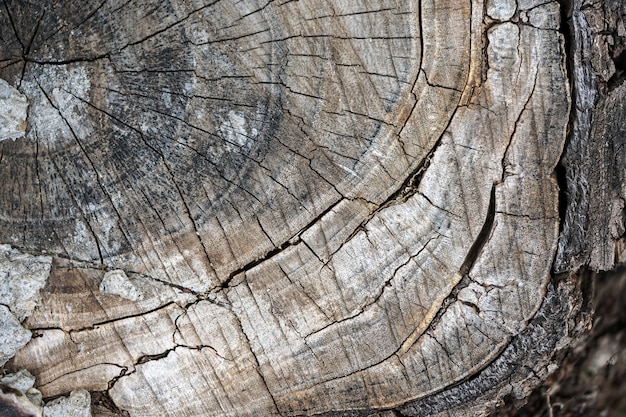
298, 207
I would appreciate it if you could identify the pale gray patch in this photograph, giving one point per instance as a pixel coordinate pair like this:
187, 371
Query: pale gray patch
13, 112
35, 396
21, 380
52, 115
501, 9
24, 382
13, 336
546, 16
78, 404
116, 282
22, 276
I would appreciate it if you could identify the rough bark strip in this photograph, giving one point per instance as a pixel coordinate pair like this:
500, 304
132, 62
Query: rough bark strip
594, 157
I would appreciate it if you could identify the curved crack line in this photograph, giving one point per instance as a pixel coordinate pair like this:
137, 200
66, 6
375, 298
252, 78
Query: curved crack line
123, 371
462, 275
386, 284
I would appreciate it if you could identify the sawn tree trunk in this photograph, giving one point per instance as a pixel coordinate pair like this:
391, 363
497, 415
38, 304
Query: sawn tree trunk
297, 207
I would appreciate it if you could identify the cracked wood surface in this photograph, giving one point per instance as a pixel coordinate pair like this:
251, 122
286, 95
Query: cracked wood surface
323, 206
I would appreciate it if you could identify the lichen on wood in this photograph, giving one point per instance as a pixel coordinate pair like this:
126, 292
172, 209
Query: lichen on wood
22, 276
13, 110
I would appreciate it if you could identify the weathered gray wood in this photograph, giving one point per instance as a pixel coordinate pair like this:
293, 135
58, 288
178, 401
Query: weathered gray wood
297, 207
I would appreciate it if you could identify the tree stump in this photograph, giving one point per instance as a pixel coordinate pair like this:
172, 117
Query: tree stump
245, 208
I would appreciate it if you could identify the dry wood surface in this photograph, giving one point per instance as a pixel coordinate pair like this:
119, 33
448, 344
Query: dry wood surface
298, 207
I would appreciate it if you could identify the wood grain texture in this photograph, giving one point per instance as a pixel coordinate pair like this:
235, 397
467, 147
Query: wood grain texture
320, 207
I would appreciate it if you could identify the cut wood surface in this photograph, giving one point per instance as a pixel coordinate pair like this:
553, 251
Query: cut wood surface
285, 207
